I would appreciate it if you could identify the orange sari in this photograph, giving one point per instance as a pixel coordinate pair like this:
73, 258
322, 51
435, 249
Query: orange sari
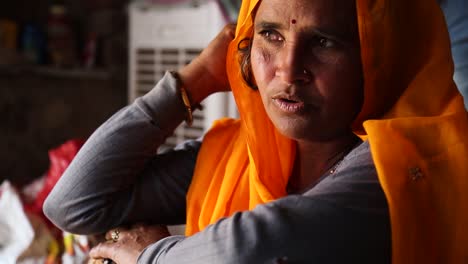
413, 117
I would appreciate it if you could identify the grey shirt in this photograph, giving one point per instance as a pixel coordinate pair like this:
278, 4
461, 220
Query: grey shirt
117, 178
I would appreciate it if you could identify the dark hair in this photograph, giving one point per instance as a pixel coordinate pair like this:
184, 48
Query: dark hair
244, 47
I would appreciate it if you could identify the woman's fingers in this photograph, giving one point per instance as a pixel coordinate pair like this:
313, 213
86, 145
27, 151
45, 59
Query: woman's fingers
214, 55
207, 74
125, 245
104, 250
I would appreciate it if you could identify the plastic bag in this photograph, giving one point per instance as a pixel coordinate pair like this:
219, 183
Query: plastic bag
16, 232
26, 235
60, 158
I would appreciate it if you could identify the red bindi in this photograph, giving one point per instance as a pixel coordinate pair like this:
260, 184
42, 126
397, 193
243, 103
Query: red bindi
293, 21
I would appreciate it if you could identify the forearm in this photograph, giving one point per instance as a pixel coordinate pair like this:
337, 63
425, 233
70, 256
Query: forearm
98, 190
296, 229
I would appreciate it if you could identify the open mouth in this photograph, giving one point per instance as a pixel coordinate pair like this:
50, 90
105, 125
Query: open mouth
289, 100
289, 105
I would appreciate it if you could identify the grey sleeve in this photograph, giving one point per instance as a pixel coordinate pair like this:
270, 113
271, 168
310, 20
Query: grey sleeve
117, 177
456, 16
343, 219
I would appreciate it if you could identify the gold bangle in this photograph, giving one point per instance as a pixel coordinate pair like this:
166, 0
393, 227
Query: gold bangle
185, 98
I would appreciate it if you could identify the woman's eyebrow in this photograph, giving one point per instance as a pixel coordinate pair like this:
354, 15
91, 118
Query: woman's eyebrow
331, 33
267, 25
325, 33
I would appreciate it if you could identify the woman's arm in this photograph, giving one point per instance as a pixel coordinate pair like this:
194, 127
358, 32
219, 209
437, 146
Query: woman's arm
117, 177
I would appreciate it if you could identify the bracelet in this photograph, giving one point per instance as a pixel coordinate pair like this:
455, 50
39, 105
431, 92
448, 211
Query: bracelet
185, 98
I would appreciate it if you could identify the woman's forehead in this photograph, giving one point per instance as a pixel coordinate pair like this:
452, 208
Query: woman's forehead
308, 11
334, 16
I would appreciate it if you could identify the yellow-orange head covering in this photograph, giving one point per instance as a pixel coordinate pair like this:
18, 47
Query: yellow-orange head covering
412, 116
241, 163
419, 135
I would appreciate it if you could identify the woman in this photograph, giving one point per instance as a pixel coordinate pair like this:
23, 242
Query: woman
290, 182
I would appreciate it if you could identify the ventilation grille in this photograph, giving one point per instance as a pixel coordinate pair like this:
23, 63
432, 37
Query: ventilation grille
150, 66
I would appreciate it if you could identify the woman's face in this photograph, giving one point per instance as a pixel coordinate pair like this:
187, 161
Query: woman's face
306, 63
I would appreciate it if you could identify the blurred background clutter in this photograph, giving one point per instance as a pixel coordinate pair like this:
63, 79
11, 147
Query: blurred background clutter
65, 67
62, 72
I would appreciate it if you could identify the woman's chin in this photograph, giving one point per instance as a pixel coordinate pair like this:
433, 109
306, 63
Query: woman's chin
294, 129
304, 130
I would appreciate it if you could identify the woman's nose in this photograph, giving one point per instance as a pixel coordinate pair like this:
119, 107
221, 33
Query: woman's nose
292, 65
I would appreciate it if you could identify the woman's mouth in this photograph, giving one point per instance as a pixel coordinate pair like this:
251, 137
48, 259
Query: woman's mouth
291, 106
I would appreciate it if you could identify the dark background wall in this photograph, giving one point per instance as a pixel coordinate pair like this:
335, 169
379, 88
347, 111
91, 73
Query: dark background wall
42, 106
37, 11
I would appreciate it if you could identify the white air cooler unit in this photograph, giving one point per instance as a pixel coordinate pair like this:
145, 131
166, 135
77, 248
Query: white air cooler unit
166, 37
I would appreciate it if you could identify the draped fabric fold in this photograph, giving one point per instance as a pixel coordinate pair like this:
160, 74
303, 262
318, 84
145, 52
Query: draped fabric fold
413, 117
417, 127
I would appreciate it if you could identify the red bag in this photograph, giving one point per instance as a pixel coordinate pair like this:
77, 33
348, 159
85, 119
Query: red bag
60, 158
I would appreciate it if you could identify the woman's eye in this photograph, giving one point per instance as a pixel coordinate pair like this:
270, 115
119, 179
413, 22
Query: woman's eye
325, 42
271, 36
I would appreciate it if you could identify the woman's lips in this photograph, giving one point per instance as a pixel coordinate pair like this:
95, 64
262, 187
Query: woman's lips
289, 106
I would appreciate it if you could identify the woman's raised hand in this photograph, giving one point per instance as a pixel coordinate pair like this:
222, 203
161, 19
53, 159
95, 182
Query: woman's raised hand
206, 74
